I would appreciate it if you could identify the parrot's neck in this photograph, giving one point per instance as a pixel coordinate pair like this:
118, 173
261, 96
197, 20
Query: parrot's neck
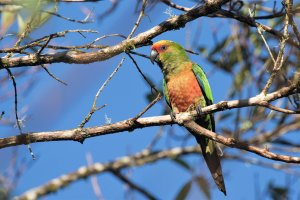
170, 69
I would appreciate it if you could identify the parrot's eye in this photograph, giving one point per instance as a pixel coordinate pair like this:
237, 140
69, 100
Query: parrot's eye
163, 47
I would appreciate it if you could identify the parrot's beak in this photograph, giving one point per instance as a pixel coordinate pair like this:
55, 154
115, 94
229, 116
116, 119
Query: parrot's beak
153, 55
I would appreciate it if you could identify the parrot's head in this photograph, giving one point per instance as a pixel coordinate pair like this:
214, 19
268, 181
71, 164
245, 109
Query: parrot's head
169, 55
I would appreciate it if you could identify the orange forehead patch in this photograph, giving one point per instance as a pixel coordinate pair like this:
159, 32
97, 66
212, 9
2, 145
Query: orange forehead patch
157, 46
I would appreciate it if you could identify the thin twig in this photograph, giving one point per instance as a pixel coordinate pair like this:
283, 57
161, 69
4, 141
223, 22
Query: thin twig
289, 10
5, 36
173, 5
94, 105
63, 34
44, 45
84, 21
251, 22
18, 122
279, 60
106, 36
192, 52
139, 54
52, 75
158, 97
19, 49
140, 71
296, 31
132, 185
137, 23
282, 110
266, 44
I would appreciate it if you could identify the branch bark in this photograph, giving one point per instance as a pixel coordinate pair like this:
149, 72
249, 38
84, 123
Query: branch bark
231, 142
129, 125
79, 57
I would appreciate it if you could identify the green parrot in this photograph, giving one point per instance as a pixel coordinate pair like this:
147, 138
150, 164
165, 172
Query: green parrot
186, 88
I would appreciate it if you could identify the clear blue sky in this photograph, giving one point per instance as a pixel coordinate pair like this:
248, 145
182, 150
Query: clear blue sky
53, 106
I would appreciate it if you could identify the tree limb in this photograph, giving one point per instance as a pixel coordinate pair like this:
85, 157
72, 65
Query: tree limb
231, 142
79, 57
129, 125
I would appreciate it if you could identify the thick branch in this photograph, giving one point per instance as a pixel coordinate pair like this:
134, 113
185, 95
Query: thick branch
142, 39
129, 125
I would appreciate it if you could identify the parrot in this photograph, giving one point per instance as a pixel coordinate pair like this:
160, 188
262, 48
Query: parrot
186, 88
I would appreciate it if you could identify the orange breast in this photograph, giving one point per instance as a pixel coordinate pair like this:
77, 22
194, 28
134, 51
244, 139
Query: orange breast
184, 90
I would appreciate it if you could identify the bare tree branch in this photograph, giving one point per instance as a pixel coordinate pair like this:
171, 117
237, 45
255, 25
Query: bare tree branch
94, 105
84, 21
37, 42
279, 60
231, 142
128, 125
137, 23
18, 121
263, 133
173, 5
158, 97
251, 22
142, 39
138, 159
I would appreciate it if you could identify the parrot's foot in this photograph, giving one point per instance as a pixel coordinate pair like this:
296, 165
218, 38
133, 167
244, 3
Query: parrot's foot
199, 111
173, 116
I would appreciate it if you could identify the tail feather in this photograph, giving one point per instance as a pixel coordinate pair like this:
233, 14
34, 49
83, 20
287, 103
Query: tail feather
210, 154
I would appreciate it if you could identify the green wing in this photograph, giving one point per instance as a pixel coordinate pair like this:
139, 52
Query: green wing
166, 94
209, 147
205, 87
204, 84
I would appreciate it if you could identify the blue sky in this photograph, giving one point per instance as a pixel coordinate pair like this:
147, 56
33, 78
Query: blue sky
53, 106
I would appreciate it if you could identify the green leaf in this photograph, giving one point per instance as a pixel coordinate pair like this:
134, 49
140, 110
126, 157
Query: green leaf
203, 186
182, 194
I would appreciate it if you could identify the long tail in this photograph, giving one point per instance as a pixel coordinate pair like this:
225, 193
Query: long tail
212, 159
210, 154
